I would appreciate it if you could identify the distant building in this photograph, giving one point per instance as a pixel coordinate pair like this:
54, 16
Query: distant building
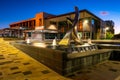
117, 36
5, 32
45, 26
1, 32
110, 25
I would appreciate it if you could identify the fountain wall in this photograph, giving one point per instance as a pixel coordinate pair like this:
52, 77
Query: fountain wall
62, 62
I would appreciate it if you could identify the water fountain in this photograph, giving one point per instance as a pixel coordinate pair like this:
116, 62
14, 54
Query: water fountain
54, 43
69, 55
28, 41
71, 42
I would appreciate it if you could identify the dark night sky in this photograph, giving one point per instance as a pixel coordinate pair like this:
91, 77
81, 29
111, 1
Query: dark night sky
16, 10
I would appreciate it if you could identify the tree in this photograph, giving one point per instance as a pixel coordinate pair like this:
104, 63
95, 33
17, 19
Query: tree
109, 35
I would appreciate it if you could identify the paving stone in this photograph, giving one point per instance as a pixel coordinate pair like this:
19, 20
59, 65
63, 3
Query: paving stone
16, 65
17, 58
27, 63
17, 61
116, 63
1, 78
12, 54
1, 63
0, 73
99, 73
113, 70
6, 62
14, 68
4, 67
16, 72
2, 57
45, 71
27, 72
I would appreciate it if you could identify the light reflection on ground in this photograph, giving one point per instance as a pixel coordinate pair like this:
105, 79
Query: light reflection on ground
39, 45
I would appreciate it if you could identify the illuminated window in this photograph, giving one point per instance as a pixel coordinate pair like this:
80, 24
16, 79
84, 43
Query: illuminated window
86, 26
86, 35
80, 27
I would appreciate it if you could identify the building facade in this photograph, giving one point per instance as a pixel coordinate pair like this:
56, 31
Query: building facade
5, 32
46, 26
109, 24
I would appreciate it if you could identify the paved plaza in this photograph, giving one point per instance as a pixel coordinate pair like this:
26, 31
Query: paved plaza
16, 65
107, 70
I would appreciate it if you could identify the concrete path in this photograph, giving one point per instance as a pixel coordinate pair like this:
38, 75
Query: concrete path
16, 65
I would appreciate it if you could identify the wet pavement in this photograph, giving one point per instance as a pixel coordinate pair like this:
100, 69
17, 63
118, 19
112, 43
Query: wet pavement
16, 65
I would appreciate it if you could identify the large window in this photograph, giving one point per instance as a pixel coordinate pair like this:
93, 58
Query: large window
86, 25
29, 34
86, 35
62, 26
80, 26
62, 35
50, 35
52, 22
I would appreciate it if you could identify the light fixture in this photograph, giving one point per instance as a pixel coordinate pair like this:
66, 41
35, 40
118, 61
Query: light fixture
85, 21
107, 28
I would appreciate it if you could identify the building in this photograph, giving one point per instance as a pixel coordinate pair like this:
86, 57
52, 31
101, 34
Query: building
117, 36
46, 26
109, 24
1, 32
5, 32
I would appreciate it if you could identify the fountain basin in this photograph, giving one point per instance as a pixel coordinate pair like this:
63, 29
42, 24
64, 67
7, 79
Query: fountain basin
63, 62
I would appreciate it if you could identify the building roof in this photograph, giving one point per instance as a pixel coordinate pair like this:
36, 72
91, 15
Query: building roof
22, 21
54, 16
46, 15
84, 10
